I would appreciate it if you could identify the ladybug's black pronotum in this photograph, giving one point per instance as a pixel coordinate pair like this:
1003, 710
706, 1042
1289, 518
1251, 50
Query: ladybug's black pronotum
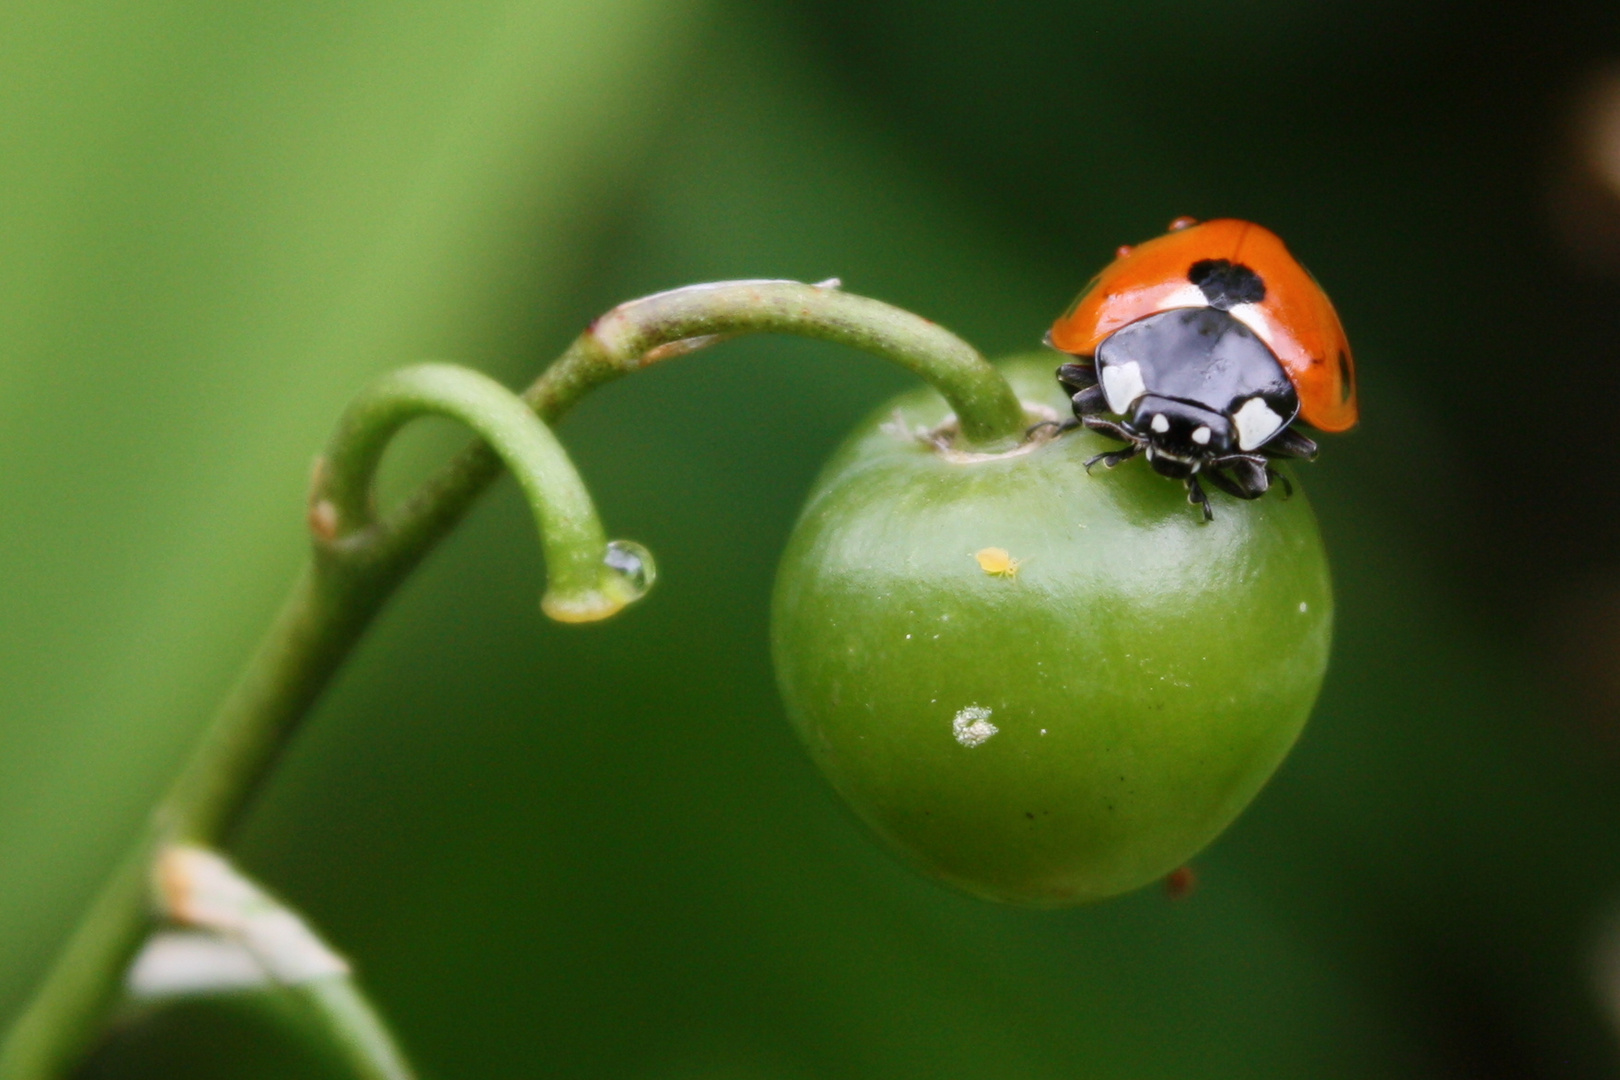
1208, 342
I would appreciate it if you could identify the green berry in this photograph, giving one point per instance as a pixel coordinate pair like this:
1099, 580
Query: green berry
1040, 685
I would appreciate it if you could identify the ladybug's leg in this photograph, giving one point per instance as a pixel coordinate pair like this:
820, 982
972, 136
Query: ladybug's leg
1277, 477
1110, 429
1089, 402
1232, 487
1289, 443
1080, 380
1196, 496
1077, 377
1060, 425
1113, 431
1222, 481
1111, 460
1250, 479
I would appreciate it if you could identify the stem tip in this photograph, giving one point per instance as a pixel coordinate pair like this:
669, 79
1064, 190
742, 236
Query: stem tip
628, 572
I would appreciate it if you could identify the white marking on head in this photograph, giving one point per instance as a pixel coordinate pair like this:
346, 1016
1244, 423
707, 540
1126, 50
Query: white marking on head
1161, 423
1200, 435
1122, 384
972, 726
1255, 423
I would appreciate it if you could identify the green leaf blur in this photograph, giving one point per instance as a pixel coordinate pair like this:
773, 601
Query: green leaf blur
600, 851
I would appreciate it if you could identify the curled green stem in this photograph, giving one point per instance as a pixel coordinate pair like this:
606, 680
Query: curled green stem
654, 328
360, 559
583, 584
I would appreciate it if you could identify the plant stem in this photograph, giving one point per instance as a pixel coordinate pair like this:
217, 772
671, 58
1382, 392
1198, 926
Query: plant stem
233, 936
581, 586
356, 1030
358, 563
654, 328
305, 645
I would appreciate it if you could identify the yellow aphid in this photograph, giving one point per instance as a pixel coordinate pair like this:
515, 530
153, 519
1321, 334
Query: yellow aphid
998, 562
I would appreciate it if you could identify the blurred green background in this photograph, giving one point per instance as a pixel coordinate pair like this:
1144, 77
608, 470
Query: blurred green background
599, 852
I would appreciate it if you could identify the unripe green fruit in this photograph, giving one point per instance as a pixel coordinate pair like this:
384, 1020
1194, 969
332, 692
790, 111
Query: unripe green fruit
1077, 724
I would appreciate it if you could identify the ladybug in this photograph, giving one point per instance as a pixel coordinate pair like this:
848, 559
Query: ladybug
1209, 342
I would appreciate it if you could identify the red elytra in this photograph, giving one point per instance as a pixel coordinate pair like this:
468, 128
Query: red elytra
1295, 318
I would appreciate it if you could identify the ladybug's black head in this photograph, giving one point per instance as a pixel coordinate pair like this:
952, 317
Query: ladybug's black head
1177, 435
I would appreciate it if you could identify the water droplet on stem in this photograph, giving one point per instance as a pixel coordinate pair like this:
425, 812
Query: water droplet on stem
633, 565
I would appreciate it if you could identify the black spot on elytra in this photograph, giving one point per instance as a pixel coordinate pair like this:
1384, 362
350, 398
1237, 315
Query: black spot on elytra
1226, 284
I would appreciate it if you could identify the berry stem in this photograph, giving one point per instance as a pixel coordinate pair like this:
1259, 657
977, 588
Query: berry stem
642, 332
